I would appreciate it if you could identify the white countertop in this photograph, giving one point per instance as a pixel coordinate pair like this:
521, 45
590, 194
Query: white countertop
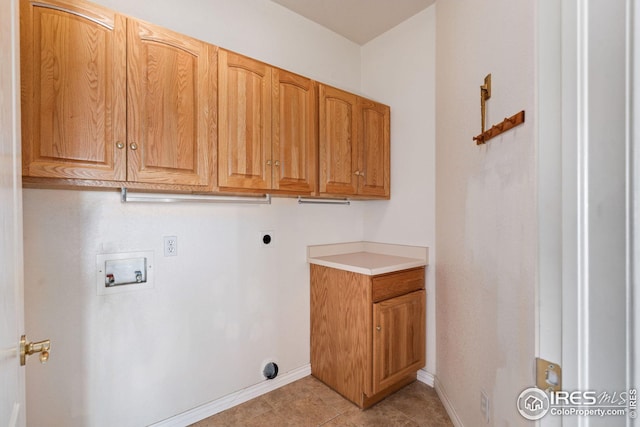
368, 258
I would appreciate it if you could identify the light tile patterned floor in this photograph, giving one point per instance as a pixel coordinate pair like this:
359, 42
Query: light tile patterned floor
309, 403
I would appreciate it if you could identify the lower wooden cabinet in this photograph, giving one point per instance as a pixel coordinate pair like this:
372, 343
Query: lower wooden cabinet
367, 332
398, 339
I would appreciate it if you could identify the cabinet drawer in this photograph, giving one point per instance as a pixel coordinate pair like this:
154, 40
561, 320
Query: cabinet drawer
395, 284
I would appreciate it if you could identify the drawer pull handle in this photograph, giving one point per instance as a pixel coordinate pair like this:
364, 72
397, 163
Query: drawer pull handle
378, 328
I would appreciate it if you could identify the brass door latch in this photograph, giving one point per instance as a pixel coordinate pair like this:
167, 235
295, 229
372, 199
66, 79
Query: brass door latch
29, 348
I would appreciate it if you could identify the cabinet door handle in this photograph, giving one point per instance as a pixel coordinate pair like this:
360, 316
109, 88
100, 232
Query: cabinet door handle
357, 173
378, 328
120, 145
277, 163
268, 162
362, 174
133, 146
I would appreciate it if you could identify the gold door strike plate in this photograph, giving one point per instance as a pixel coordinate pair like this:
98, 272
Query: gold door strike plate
548, 375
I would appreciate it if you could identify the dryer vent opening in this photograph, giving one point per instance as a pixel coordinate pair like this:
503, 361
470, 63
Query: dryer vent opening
270, 370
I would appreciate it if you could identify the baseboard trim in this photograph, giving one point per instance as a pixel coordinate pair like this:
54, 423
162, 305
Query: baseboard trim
447, 404
426, 377
208, 409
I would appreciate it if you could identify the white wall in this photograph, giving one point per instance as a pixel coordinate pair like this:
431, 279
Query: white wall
261, 29
486, 231
398, 69
218, 309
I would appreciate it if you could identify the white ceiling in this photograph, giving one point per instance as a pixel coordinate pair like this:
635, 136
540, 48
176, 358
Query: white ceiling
357, 20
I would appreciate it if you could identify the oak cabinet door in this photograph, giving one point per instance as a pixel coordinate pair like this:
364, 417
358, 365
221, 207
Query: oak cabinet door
244, 134
374, 145
294, 136
338, 145
170, 106
73, 66
398, 338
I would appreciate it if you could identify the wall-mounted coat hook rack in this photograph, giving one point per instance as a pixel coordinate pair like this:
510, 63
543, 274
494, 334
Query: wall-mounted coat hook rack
497, 129
503, 126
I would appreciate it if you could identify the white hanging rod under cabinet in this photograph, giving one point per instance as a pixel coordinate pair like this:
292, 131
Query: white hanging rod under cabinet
303, 201
127, 197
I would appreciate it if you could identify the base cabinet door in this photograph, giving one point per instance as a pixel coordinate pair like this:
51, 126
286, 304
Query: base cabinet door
398, 338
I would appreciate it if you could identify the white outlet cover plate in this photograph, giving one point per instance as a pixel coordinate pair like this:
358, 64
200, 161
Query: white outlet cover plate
166, 241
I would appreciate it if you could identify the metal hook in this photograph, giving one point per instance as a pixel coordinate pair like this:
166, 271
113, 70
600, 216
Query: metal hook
485, 94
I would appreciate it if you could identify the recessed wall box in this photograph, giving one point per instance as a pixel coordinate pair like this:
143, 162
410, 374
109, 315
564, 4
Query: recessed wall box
123, 272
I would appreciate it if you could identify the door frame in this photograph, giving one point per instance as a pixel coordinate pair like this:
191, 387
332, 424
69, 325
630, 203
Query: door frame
633, 197
11, 263
566, 324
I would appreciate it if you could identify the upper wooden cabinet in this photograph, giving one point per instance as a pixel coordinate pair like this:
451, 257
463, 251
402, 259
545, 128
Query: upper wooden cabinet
244, 110
294, 133
354, 145
339, 157
267, 137
170, 106
73, 71
374, 146
110, 98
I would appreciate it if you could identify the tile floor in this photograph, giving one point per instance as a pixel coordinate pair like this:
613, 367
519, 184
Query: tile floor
309, 403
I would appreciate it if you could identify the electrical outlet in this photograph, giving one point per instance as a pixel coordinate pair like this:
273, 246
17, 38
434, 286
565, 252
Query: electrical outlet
170, 246
484, 406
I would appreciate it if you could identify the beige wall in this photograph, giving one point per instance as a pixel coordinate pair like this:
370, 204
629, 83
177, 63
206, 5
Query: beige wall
220, 308
486, 230
224, 304
398, 68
